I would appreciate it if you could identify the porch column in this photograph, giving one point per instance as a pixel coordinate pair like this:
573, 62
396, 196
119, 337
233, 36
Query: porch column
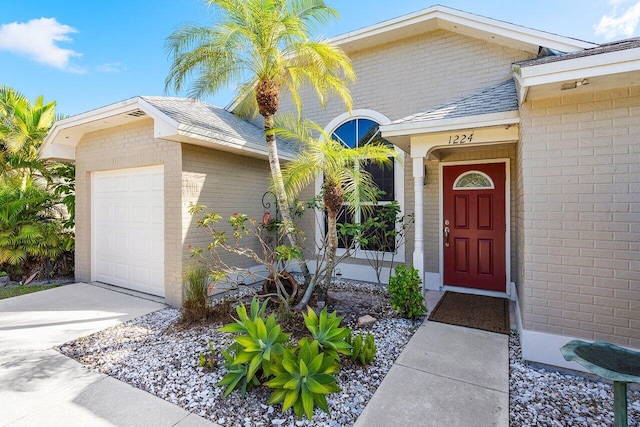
418, 209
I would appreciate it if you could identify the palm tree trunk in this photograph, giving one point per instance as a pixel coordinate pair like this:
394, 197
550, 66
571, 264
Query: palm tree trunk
332, 245
281, 196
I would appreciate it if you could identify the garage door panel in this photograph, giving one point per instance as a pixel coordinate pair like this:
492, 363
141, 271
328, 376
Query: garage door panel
128, 228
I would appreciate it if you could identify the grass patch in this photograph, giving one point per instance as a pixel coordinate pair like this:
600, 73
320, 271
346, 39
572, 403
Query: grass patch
23, 290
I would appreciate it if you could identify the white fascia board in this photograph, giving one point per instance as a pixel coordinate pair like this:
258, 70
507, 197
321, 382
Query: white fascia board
468, 122
492, 26
58, 152
579, 68
164, 126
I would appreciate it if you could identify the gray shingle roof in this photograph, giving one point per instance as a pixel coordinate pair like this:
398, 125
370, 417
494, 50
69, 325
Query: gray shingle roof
495, 99
214, 123
616, 46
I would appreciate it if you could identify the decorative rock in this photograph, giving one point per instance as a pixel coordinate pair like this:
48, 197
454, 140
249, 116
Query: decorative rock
150, 353
366, 320
4, 280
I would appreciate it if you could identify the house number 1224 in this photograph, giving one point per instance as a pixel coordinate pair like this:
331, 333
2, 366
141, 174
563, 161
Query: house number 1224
460, 139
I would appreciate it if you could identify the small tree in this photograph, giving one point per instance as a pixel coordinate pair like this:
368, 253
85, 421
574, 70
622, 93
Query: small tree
274, 259
263, 46
383, 234
344, 178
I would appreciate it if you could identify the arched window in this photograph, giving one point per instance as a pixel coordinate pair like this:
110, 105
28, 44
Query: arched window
359, 132
473, 180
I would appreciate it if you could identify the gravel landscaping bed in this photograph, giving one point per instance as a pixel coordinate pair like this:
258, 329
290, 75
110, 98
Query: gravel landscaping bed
539, 397
151, 353
155, 354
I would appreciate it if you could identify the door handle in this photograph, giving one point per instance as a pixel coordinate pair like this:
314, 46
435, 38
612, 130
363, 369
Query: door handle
446, 230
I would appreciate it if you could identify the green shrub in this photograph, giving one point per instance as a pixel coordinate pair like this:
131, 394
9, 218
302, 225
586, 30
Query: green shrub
406, 292
303, 379
363, 351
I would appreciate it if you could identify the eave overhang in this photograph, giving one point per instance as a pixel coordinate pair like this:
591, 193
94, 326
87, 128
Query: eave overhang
64, 136
441, 17
622, 66
424, 139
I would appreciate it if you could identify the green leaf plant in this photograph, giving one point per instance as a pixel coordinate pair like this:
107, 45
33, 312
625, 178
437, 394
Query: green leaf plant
301, 375
304, 379
363, 350
406, 292
327, 331
261, 340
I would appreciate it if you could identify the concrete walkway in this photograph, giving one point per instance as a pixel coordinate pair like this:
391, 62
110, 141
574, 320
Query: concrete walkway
446, 376
41, 387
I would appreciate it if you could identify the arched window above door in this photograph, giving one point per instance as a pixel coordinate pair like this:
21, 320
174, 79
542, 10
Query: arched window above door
473, 180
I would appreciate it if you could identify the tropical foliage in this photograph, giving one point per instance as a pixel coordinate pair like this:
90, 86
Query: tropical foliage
303, 379
262, 46
345, 179
301, 375
36, 197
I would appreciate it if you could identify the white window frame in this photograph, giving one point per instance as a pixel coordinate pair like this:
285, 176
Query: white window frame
398, 179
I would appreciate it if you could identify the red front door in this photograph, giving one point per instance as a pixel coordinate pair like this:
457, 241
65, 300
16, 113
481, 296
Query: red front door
474, 226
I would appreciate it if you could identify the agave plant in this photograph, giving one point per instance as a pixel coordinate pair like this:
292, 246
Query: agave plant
236, 374
303, 379
260, 341
239, 327
327, 331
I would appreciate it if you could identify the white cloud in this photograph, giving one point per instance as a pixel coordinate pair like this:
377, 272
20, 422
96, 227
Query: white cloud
621, 22
37, 39
112, 67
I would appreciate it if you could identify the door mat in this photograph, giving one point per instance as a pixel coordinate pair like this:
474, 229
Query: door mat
473, 311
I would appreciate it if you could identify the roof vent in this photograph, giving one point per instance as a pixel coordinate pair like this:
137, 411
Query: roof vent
137, 113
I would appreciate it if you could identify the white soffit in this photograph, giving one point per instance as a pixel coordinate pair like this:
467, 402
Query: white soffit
65, 134
579, 68
603, 71
467, 122
440, 17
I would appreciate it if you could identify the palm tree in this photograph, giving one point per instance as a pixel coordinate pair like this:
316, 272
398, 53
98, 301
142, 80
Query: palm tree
262, 45
23, 126
344, 177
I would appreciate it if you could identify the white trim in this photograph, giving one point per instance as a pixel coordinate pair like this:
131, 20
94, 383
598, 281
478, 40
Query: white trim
458, 123
398, 179
507, 207
603, 64
451, 19
432, 281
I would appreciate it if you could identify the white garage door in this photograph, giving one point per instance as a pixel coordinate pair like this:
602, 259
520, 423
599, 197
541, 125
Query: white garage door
128, 228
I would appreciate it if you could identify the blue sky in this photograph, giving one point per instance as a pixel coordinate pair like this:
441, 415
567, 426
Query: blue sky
85, 54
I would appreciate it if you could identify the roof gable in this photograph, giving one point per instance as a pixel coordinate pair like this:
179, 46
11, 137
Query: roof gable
441, 17
176, 119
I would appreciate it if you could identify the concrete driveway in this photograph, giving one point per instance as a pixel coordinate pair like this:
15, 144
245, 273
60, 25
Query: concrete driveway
41, 387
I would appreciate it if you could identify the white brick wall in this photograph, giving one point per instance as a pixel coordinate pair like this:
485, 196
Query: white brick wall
577, 221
